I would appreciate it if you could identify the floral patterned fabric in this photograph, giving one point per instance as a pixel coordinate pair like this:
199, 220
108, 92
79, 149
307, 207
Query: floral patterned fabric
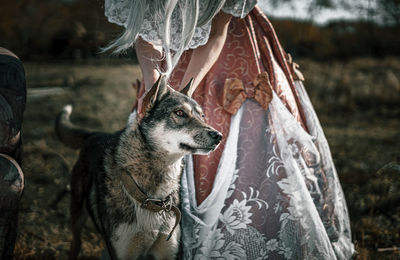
270, 191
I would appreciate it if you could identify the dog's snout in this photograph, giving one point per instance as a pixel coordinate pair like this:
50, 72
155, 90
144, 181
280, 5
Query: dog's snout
217, 136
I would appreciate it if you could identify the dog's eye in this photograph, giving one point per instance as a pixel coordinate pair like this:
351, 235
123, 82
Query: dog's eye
180, 113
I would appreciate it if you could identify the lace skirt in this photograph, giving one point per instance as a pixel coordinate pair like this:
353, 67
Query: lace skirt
270, 191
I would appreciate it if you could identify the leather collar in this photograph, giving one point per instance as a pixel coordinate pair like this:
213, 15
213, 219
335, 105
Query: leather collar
156, 205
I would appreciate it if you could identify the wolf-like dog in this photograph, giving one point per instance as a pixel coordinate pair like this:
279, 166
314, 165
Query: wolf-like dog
128, 182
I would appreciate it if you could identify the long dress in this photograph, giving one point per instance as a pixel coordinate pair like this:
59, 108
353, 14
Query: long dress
270, 190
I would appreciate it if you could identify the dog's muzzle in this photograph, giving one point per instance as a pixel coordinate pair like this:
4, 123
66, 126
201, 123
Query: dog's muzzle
205, 141
215, 136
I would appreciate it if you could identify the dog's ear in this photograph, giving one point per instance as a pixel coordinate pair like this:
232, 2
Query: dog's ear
188, 90
157, 91
163, 87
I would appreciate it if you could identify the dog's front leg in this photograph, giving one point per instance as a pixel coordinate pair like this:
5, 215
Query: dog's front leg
78, 210
163, 249
131, 247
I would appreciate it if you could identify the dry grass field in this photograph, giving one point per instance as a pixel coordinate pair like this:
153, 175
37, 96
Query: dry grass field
359, 107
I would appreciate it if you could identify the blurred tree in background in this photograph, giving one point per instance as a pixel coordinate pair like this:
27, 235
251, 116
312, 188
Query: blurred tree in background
389, 11
381, 11
375, 31
37, 29
76, 29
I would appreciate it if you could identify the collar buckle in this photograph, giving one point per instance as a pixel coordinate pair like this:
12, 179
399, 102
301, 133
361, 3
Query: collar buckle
163, 205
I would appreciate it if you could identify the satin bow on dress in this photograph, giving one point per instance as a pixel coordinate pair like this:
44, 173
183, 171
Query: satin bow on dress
235, 93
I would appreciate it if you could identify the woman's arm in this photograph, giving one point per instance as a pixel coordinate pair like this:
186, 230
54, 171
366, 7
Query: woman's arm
204, 57
149, 56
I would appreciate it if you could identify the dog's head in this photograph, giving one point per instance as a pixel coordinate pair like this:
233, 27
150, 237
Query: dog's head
174, 122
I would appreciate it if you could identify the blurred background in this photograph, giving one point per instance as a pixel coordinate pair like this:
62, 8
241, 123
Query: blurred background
349, 52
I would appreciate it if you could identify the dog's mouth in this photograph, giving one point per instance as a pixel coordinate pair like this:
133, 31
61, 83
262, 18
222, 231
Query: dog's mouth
198, 149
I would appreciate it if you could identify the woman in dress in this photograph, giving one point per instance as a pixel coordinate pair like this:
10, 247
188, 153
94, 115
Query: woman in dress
270, 191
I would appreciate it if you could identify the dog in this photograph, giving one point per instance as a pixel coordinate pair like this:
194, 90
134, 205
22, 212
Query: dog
128, 182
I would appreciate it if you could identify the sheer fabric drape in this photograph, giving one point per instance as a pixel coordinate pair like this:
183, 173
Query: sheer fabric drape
271, 190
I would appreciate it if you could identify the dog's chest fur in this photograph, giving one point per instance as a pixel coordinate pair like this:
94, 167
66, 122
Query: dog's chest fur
116, 211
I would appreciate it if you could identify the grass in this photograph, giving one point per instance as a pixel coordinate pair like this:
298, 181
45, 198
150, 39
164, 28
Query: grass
359, 107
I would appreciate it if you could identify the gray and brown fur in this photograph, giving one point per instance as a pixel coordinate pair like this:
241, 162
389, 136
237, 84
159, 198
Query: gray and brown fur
150, 150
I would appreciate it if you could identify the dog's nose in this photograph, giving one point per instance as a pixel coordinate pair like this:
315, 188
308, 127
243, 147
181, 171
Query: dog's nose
217, 136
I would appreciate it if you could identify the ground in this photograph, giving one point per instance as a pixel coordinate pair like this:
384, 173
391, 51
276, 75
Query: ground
358, 103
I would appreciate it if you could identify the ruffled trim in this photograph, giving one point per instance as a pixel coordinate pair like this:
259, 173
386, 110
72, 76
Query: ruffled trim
294, 68
117, 11
239, 8
150, 33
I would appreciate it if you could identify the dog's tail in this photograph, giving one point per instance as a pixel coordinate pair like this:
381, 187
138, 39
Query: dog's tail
68, 133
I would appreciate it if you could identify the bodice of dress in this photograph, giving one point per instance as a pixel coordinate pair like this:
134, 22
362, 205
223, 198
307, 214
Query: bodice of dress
118, 11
